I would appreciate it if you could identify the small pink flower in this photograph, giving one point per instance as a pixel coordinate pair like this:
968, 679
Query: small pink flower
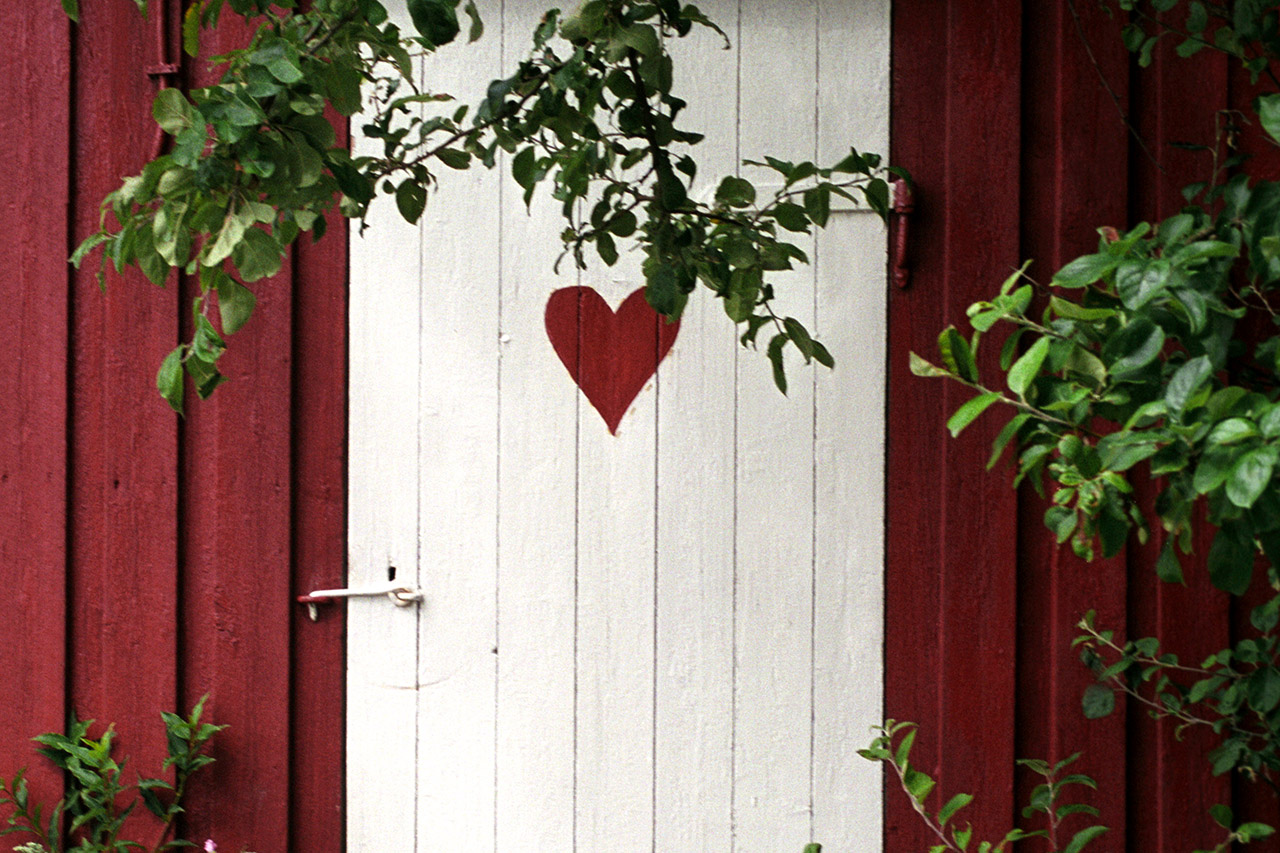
209, 846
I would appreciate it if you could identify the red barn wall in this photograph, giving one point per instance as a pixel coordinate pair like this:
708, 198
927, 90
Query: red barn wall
1019, 150
148, 560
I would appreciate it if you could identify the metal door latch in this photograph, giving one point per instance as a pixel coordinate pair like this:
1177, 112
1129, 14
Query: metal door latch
400, 595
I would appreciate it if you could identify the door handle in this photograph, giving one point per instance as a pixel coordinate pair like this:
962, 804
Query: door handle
400, 595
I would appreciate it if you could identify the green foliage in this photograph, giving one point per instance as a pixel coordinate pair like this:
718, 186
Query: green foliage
90, 816
1143, 360
591, 114
892, 745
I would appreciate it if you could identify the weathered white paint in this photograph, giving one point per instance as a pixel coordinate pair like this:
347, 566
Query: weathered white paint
668, 639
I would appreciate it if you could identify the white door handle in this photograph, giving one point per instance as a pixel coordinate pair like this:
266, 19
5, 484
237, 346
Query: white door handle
400, 595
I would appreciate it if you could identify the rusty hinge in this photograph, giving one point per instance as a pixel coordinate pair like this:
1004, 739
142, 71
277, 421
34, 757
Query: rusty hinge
904, 204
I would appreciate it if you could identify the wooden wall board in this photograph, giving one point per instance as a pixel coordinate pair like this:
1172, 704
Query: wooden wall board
141, 591
35, 107
318, 445
950, 580
123, 496
1074, 172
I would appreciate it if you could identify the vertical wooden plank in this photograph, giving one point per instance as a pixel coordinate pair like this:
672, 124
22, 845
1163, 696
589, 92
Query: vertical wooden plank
236, 583
850, 313
1192, 620
35, 106
774, 616
537, 530
383, 484
950, 594
693, 758
123, 588
616, 606
977, 630
319, 427
1074, 164
458, 457
913, 536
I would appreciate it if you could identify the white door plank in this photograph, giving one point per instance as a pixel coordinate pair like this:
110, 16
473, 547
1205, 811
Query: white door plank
382, 532
537, 527
773, 732
694, 758
850, 264
458, 449
615, 613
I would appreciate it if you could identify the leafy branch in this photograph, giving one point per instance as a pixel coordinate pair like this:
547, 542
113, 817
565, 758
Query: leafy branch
591, 112
89, 817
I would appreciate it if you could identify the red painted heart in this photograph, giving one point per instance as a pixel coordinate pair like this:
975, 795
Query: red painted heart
611, 356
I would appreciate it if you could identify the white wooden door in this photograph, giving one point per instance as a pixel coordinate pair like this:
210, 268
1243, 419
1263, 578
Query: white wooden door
668, 639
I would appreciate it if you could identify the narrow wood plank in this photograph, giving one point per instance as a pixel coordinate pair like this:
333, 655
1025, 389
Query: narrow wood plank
976, 633
1194, 620
774, 615
236, 556
537, 566
616, 606
693, 770
1074, 153
35, 108
123, 455
383, 489
950, 599
458, 460
850, 263
914, 449
319, 427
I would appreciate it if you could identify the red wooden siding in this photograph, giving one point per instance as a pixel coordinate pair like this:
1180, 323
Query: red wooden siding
153, 559
1020, 152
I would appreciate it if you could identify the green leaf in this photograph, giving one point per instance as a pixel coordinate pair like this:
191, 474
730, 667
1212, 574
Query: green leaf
817, 203
411, 199
1186, 381
1232, 431
1085, 270
1074, 311
1083, 837
1250, 476
435, 21
72, 9
191, 30
918, 784
1168, 566
169, 378
172, 111
1134, 347
477, 26
1098, 701
1269, 115
957, 355
229, 236
1230, 562
953, 805
454, 158
775, 358
969, 411
736, 192
924, 368
1006, 435
1026, 368
258, 255
235, 303
285, 70
790, 216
